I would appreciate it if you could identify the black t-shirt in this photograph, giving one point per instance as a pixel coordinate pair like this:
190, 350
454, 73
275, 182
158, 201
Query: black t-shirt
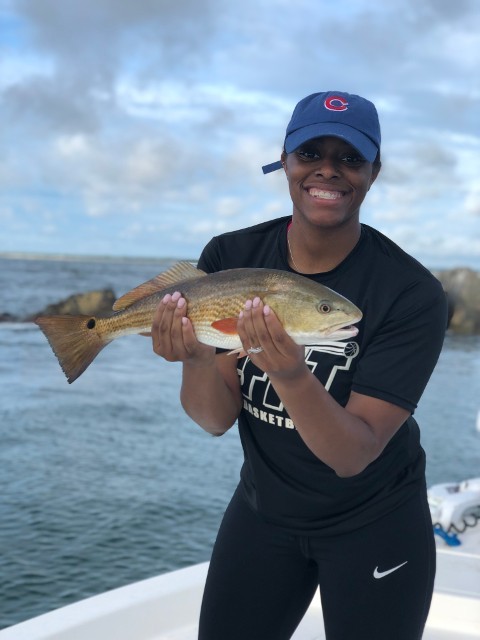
392, 357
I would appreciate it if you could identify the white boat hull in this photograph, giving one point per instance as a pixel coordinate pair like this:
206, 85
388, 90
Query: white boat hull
167, 608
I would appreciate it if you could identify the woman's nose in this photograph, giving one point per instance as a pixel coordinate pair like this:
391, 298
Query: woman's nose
327, 168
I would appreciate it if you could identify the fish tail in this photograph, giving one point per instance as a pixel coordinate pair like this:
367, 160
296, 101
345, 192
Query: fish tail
75, 341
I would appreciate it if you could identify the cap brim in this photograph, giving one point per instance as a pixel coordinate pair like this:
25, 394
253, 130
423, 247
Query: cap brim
362, 143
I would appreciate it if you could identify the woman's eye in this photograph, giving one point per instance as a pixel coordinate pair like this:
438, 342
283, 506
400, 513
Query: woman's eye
307, 155
352, 158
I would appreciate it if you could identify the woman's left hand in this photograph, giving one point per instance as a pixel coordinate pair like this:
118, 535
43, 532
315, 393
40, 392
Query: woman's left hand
259, 328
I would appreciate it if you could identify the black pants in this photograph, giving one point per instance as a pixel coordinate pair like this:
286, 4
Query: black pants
376, 583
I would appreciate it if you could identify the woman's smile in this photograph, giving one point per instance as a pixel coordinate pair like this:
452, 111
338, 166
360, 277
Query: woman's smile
325, 194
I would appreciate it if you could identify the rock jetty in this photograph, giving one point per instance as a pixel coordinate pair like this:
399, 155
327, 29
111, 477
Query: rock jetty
462, 287
90, 303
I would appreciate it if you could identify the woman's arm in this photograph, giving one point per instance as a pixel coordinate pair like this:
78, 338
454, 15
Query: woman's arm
346, 438
210, 392
211, 395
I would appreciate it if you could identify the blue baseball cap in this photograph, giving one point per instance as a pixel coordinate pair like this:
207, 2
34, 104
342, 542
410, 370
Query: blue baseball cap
333, 113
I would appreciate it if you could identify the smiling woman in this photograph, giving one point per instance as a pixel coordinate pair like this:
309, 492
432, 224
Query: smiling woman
332, 490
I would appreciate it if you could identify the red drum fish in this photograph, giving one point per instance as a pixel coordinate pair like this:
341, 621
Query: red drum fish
310, 312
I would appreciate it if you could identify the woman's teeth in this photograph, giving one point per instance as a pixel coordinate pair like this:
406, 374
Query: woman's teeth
325, 195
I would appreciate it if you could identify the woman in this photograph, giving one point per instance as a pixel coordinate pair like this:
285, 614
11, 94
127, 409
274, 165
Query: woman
332, 490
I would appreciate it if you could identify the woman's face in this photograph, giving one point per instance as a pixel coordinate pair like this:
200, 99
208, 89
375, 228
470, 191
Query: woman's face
328, 181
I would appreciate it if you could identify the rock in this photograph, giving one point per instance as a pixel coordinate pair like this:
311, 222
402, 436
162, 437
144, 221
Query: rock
91, 303
7, 317
462, 287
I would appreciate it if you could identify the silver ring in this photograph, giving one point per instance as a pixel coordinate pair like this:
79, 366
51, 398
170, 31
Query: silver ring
255, 350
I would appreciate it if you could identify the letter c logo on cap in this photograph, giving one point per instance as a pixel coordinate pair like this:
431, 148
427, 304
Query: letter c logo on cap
336, 103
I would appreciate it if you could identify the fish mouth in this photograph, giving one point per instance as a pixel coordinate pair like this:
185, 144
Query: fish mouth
344, 332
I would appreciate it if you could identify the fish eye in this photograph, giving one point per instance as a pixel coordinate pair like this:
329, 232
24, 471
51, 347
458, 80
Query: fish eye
324, 307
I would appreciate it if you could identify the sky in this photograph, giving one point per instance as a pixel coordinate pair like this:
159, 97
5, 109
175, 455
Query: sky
139, 127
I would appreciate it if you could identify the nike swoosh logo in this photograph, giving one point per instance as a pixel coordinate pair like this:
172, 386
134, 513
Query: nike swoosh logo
381, 574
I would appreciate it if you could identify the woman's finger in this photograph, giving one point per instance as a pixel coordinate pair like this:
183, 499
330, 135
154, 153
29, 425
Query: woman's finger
166, 327
247, 330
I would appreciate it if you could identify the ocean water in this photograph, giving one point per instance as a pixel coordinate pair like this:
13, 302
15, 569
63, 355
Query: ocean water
106, 481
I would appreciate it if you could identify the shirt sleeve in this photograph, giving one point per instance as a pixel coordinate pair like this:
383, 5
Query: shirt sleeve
209, 260
400, 357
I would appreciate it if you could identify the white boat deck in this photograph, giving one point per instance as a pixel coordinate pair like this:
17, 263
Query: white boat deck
167, 607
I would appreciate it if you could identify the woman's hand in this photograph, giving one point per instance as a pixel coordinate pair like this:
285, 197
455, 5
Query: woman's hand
259, 327
173, 336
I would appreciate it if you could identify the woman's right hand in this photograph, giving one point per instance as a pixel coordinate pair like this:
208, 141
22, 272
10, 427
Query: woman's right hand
173, 336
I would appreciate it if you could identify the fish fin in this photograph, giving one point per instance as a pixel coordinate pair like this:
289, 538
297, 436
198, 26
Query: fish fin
226, 325
74, 343
240, 353
180, 272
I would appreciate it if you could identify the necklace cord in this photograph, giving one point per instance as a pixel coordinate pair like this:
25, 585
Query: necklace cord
290, 251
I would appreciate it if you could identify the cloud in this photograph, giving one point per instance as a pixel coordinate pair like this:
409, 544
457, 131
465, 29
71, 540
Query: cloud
95, 37
148, 117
